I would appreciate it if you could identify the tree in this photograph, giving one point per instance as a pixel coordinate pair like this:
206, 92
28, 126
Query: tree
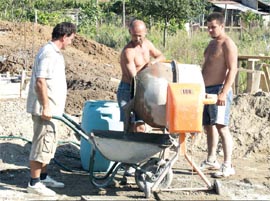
167, 10
251, 19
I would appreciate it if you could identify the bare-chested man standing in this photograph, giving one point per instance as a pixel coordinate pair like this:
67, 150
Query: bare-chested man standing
219, 70
135, 56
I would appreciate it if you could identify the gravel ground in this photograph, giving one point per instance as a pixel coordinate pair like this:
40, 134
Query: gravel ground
251, 182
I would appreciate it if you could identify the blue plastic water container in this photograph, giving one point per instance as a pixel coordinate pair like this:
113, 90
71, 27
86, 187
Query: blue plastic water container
98, 115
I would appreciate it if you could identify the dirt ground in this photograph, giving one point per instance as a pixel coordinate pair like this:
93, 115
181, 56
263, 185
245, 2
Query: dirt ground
93, 72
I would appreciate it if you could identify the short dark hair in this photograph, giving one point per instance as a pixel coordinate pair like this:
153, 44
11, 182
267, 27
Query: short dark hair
64, 28
216, 16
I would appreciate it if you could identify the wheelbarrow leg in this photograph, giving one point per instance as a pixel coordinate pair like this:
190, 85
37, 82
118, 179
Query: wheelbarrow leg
105, 180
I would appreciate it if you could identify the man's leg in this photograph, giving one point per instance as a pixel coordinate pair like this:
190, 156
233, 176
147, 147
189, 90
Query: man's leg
227, 143
36, 168
35, 186
211, 162
212, 142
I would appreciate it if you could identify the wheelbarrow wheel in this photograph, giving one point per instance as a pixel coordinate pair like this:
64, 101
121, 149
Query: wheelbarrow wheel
147, 189
150, 174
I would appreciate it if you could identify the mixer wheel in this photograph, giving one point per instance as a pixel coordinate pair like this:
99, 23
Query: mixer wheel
217, 187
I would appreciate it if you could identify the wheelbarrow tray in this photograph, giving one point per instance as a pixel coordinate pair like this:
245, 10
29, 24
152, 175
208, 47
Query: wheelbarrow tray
130, 148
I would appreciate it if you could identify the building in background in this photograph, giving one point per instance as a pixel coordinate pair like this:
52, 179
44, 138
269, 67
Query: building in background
232, 9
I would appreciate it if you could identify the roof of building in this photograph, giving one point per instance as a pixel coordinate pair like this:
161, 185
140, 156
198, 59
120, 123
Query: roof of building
233, 5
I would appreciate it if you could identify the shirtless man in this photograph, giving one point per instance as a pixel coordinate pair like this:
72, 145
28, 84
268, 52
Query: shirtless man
136, 55
219, 70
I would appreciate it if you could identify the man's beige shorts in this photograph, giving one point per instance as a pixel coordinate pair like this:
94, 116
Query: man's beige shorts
44, 141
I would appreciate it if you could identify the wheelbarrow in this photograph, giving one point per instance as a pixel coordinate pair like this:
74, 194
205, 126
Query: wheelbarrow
143, 151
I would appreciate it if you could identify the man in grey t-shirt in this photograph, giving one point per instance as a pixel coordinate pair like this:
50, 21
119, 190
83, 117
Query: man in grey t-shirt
47, 97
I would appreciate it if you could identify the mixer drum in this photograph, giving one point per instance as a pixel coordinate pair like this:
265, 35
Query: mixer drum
150, 89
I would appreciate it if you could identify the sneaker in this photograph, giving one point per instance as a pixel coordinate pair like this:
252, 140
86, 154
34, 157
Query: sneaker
50, 182
130, 171
224, 171
206, 165
40, 189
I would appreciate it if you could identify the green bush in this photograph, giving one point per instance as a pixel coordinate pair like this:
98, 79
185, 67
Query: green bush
112, 36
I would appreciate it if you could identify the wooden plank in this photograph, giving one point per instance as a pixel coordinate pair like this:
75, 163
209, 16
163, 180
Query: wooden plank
246, 57
236, 80
250, 77
248, 70
263, 83
256, 82
265, 69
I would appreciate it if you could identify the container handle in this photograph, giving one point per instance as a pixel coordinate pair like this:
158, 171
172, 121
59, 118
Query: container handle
210, 99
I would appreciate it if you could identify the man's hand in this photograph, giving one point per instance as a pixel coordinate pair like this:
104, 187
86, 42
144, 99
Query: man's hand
221, 99
46, 113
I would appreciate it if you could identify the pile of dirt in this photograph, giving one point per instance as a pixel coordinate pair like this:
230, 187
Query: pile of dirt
250, 124
92, 69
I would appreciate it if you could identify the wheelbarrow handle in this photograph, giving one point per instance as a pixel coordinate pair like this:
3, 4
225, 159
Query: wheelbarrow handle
72, 124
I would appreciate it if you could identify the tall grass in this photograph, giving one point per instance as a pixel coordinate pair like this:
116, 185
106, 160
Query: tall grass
187, 48
253, 42
112, 36
184, 47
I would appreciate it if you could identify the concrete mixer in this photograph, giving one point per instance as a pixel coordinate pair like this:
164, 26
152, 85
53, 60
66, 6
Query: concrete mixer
150, 90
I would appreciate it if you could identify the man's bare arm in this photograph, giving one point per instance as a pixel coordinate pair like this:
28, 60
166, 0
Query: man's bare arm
231, 58
127, 62
41, 88
230, 54
155, 53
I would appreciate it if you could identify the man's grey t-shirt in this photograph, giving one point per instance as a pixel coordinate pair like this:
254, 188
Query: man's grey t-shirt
49, 64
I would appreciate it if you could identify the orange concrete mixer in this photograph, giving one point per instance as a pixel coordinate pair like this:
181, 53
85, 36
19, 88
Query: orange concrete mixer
169, 95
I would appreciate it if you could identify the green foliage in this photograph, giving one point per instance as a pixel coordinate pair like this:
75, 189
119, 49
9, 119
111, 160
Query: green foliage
14, 9
88, 18
53, 5
251, 19
50, 12
112, 36
167, 10
52, 18
187, 48
254, 42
